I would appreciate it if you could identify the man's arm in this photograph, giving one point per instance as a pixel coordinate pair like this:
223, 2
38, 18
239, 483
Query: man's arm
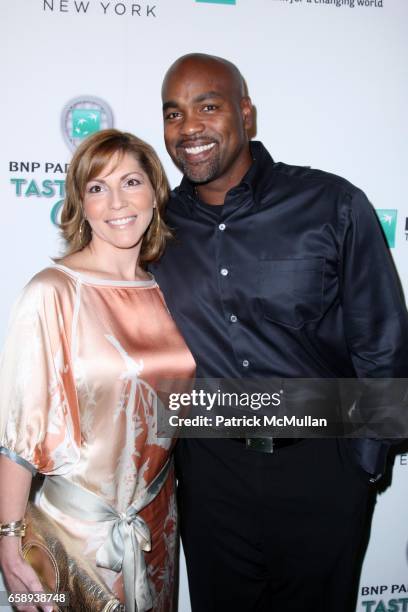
376, 328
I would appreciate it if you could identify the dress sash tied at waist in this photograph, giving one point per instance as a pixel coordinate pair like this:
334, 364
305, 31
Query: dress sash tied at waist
128, 536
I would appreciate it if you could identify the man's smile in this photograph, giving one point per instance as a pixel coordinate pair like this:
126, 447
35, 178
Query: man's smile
197, 149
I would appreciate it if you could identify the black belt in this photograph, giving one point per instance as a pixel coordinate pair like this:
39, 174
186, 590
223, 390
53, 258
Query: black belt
266, 445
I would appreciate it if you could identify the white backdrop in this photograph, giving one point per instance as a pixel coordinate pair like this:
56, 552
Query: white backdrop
329, 81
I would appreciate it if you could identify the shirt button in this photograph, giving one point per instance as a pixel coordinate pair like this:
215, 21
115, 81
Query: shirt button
224, 272
222, 226
245, 363
233, 318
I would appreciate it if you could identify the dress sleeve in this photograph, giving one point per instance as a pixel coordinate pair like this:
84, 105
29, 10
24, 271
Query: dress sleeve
39, 417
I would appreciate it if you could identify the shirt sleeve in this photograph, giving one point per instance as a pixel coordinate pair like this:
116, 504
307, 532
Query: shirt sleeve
39, 416
375, 323
375, 315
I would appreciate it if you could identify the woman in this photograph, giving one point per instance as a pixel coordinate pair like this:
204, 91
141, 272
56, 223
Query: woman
90, 337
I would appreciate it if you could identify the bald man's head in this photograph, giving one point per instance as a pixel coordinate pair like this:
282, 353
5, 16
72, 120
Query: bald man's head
206, 117
209, 63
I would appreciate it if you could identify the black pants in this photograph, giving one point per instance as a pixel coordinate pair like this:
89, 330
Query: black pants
277, 532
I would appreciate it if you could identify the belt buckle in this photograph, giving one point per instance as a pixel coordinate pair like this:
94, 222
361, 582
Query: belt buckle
263, 445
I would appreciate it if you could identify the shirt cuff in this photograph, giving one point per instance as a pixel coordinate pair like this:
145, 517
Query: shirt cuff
17, 459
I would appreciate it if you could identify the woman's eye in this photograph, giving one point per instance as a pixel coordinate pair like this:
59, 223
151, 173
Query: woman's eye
94, 189
133, 182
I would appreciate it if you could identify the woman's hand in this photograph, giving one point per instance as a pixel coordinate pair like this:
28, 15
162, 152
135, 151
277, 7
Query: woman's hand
18, 575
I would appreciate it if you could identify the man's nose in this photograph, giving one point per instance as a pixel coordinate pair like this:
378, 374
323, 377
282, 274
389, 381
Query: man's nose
192, 124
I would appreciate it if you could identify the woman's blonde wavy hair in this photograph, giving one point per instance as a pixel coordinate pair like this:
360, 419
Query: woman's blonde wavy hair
91, 157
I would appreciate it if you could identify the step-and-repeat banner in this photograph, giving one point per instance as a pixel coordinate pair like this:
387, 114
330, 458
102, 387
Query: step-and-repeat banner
329, 82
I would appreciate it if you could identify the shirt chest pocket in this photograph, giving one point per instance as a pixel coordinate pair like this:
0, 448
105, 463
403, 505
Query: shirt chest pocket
291, 290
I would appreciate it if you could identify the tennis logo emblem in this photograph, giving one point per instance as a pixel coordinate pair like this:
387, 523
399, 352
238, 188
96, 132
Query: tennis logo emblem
82, 117
85, 122
388, 220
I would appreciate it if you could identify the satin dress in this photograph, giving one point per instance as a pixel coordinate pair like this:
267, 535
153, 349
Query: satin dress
77, 378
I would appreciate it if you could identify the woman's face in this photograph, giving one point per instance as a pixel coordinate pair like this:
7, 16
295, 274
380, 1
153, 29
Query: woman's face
118, 204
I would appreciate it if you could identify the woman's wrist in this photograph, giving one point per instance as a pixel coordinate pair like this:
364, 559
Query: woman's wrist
9, 548
8, 544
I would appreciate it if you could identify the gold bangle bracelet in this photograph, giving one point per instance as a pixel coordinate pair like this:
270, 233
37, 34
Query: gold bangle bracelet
15, 528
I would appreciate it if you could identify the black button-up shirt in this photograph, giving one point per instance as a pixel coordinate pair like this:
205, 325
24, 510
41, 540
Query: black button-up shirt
290, 277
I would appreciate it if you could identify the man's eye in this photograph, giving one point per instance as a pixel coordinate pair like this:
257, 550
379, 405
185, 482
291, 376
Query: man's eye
210, 107
173, 115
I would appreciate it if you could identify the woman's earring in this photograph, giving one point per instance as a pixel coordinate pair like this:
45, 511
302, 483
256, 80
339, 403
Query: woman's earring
82, 227
158, 220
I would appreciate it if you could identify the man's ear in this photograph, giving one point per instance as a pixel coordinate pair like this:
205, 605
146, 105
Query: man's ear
247, 112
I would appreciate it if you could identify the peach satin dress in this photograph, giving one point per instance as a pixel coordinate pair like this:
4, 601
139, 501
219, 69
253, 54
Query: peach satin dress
80, 363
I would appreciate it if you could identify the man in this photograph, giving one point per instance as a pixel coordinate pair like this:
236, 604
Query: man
276, 271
